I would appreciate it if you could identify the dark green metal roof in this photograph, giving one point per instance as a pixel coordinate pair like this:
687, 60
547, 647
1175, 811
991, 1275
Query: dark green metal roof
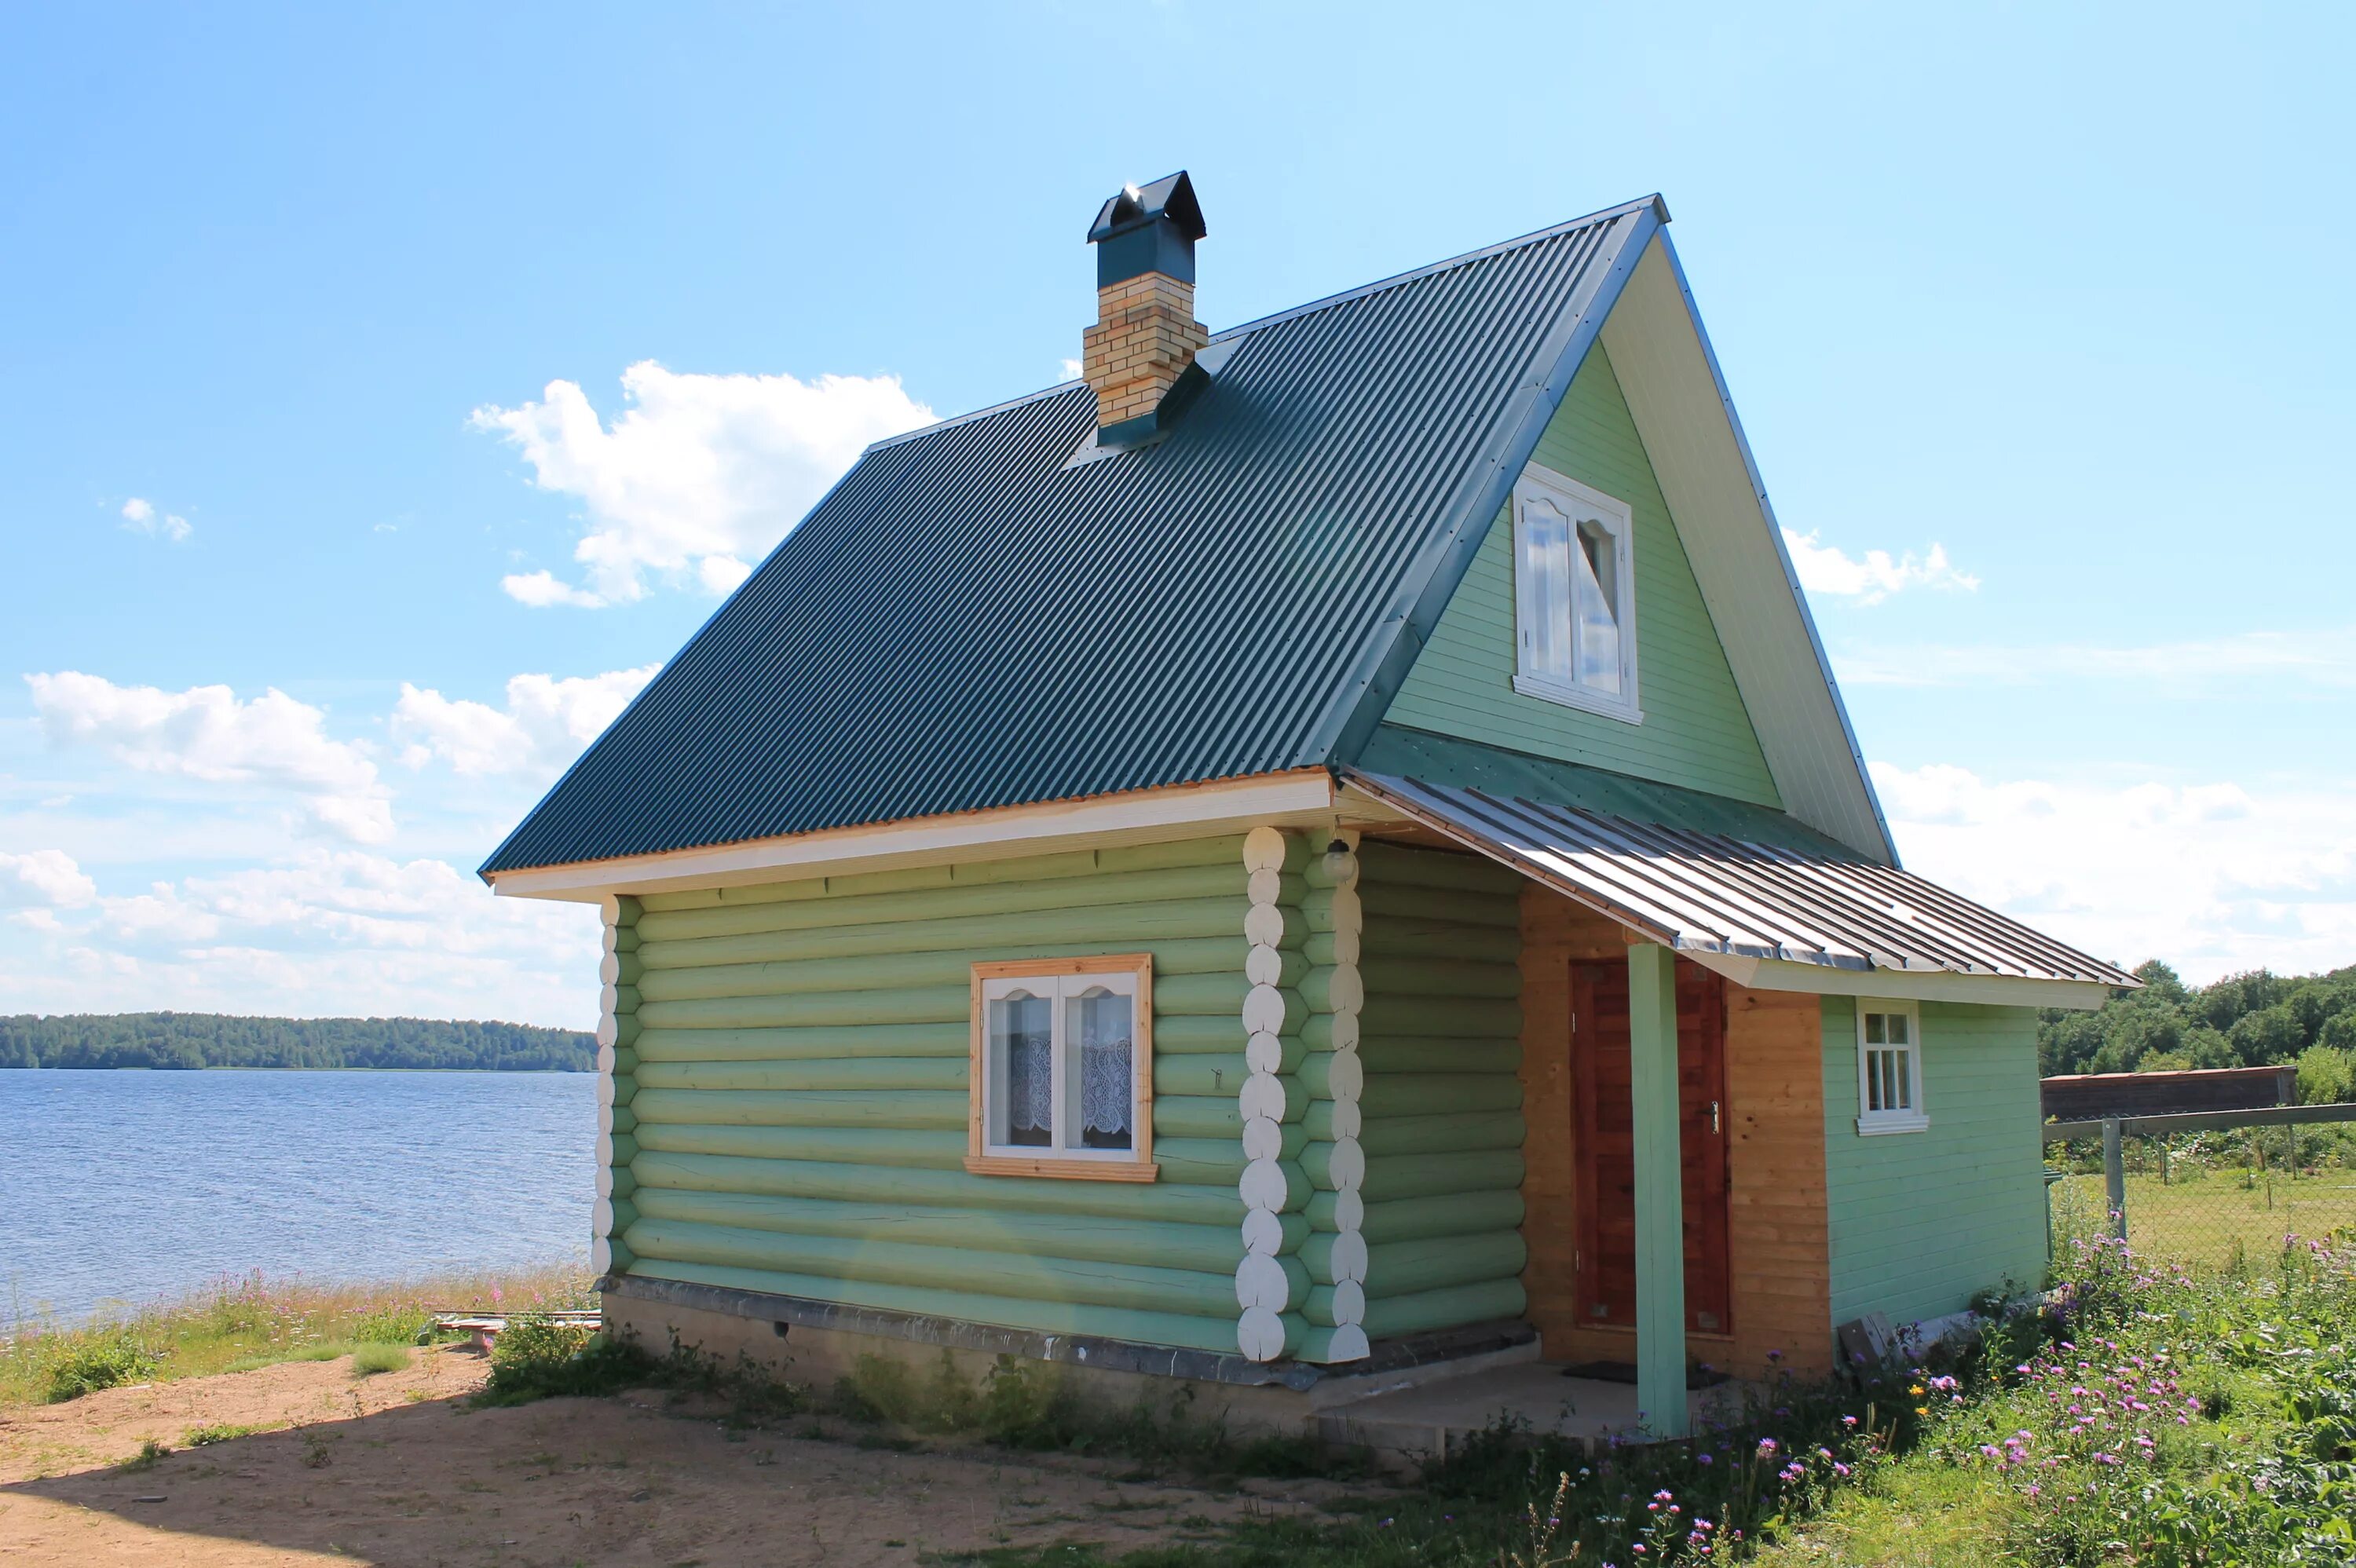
983, 614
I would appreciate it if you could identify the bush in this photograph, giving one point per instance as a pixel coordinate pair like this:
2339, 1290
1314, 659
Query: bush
2326, 1076
106, 1361
370, 1359
390, 1325
539, 1357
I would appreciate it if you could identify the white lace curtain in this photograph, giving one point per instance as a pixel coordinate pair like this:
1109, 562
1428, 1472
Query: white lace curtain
1030, 1064
1101, 1027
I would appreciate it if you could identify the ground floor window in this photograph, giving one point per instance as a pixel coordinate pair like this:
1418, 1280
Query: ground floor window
1063, 1068
1890, 1068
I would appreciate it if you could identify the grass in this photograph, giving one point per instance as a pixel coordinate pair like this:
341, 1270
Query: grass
370, 1359
2210, 1217
238, 1324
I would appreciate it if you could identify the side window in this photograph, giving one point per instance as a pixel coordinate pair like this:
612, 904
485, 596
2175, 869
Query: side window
1574, 597
1890, 1068
1063, 1068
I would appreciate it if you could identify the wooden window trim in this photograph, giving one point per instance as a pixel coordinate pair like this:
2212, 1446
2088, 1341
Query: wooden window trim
1136, 1164
1917, 1117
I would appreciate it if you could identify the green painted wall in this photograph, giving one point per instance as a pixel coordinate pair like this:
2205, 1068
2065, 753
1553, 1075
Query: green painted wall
1695, 732
792, 1064
1919, 1221
1440, 1042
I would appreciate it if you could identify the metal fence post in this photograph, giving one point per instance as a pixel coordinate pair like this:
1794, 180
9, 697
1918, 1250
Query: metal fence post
2115, 1178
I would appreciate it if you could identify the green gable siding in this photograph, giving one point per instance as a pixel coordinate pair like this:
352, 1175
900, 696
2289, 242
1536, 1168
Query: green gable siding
791, 1085
1919, 1221
1694, 734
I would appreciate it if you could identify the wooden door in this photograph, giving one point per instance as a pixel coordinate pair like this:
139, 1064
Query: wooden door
1606, 1145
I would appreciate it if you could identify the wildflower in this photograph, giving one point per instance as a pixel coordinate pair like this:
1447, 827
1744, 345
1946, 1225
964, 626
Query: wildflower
1766, 1447
1705, 1459
1848, 1421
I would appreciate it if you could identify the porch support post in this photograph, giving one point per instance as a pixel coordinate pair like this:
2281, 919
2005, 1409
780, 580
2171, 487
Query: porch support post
1660, 1189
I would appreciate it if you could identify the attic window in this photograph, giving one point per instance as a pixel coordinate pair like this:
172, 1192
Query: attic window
1575, 596
1062, 1070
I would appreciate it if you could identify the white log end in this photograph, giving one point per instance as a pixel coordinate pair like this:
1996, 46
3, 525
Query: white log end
1346, 990
1343, 1033
605, 1121
605, 1181
1263, 1186
1263, 1233
1347, 947
1264, 849
601, 1255
604, 1089
1265, 887
1349, 1303
1263, 1138
1350, 1257
1264, 965
1346, 1076
1261, 1281
1264, 925
610, 1031
1349, 914
1261, 1095
1348, 1122
604, 1057
1264, 1052
1349, 1210
601, 1218
605, 1146
610, 906
1264, 1010
1348, 1165
1260, 1334
1348, 1344
609, 1001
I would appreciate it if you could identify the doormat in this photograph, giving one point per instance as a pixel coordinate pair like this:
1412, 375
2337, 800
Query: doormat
1625, 1372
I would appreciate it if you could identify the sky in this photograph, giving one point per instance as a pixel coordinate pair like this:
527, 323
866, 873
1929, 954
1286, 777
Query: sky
389, 391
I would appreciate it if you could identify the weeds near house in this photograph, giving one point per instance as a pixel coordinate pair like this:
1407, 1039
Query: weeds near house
221, 1432
368, 1360
102, 1360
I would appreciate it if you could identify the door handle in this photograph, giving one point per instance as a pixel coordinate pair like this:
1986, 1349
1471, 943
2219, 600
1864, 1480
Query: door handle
1713, 1115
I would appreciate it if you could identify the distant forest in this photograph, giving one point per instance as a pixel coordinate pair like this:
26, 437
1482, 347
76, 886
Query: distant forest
2258, 1019
215, 1040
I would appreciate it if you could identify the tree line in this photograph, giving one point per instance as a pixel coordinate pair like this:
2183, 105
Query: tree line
216, 1039
2258, 1020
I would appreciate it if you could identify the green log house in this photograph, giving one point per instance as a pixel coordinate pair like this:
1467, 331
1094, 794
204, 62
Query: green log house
1316, 848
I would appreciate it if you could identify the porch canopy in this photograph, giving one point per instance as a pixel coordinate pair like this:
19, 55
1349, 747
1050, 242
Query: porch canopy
1770, 917
1766, 917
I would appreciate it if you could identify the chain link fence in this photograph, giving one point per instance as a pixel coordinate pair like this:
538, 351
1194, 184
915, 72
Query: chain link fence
2205, 1190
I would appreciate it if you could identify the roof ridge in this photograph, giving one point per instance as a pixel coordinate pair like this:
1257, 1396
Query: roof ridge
1567, 226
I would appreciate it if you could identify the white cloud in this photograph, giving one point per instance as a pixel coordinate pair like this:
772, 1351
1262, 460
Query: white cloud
139, 517
1072, 370
2325, 659
697, 476
44, 876
543, 727
2212, 877
1826, 569
207, 733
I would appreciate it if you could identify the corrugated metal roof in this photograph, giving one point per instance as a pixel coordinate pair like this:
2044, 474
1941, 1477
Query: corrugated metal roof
968, 621
1708, 892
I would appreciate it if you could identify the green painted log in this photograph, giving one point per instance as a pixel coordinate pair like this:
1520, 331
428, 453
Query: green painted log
626, 1214
1398, 975
1195, 1117
1480, 1017
1143, 925
944, 902
1317, 1308
1201, 1075
1400, 1137
1439, 1263
1321, 871
1223, 849
627, 1028
1317, 906
1138, 1287
866, 1147
850, 1042
1437, 1094
1200, 1162
1159, 1328
624, 1119
629, 967
1201, 994
1441, 869
625, 1061
626, 1148
1489, 1170
1318, 1070
923, 1004
1318, 1032
1208, 1249
1487, 1302
1394, 937
1316, 1254
1334, 990
1326, 1121
1417, 1219
1295, 1229
624, 1090
1399, 901
1439, 1053
1318, 1162
625, 999
1219, 955
910, 1108
1185, 1035
622, 939
935, 1188
1293, 967
861, 1074
624, 1181
620, 1258
1316, 1343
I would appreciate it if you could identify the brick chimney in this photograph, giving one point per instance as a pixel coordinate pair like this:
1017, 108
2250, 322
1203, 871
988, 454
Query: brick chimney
1146, 335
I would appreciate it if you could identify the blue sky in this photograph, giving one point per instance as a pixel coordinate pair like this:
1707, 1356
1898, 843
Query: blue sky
318, 323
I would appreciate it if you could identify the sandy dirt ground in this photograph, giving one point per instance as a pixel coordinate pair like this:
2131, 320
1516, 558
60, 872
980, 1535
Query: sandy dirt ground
396, 1470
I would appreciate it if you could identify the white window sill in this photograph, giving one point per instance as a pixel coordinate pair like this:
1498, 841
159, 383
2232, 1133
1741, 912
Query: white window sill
1567, 695
1875, 1126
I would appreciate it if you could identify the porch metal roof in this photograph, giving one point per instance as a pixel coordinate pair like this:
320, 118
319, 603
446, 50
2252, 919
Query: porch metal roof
1709, 893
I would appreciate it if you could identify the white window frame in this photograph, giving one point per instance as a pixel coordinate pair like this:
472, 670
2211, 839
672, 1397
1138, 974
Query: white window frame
1061, 979
1914, 1116
1582, 502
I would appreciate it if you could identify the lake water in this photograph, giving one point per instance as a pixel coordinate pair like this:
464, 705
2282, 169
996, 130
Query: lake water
134, 1186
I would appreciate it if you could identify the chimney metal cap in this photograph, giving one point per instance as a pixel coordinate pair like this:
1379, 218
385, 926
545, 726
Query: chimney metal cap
1170, 198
